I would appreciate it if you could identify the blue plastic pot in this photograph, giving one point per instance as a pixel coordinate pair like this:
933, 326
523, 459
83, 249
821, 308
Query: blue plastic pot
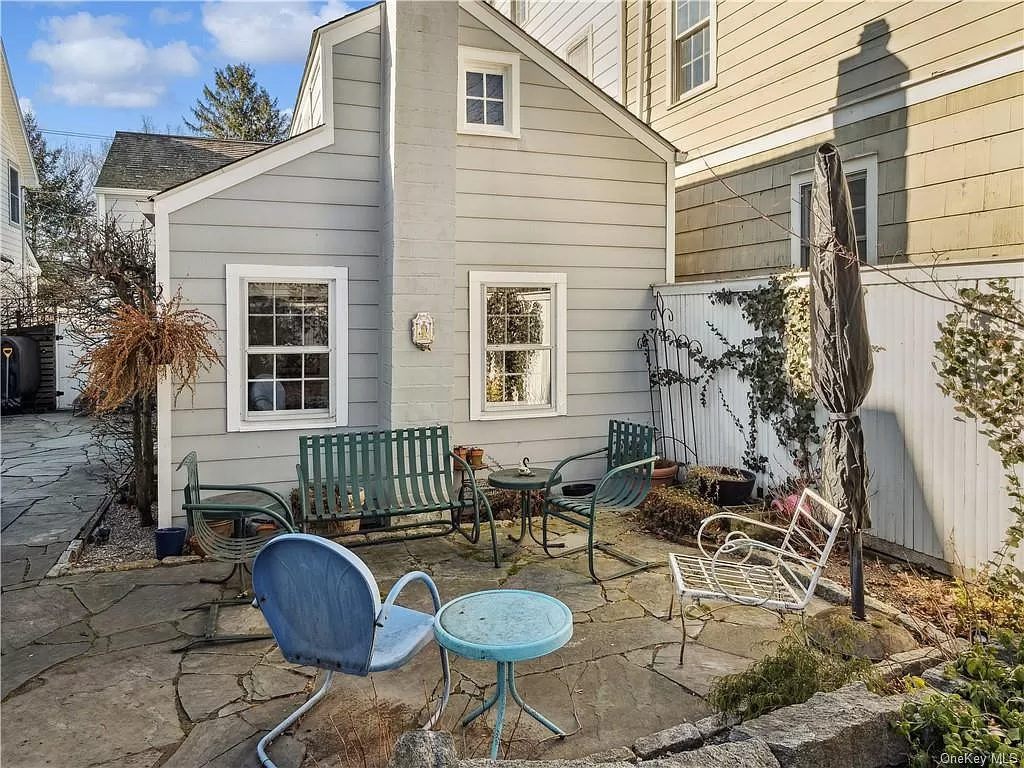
169, 542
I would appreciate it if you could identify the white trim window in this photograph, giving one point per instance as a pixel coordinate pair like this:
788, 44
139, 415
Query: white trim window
14, 196
488, 92
287, 347
693, 47
579, 53
520, 11
862, 181
518, 340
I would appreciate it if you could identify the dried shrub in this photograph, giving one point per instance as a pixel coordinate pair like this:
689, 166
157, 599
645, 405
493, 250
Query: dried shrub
145, 344
791, 675
674, 512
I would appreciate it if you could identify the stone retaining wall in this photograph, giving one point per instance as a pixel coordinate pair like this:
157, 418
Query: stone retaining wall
848, 728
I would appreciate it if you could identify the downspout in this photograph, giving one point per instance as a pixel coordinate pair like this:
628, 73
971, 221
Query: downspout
641, 39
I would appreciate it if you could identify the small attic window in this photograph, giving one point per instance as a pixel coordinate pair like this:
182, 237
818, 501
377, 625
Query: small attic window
488, 92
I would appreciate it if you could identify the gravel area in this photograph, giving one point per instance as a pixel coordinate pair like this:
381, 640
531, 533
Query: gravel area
127, 540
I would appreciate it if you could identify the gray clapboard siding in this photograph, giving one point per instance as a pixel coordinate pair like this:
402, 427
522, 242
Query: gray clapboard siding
127, 209
586, 208
471, 181
319, 210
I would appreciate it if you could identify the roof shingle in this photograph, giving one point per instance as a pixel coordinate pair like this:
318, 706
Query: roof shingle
159, 162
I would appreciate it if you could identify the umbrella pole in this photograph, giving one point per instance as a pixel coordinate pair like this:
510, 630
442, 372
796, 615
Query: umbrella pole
856, 576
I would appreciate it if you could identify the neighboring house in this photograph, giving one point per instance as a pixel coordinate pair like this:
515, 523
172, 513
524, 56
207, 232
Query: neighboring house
440, 162
924, 101
20, 270
588, 36
138, 165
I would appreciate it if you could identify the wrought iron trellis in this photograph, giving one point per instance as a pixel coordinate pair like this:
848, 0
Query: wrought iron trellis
669, 357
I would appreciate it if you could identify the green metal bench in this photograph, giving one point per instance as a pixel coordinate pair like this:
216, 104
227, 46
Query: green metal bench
375, 477
625, 483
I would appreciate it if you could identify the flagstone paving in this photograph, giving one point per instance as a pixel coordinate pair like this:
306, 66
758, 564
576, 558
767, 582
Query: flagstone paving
91, 677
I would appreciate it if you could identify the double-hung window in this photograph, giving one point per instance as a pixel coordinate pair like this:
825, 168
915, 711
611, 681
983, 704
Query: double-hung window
577, 53
517, 328
693, 46
520, 11
488, 92
287, 343
862, 183
14, 188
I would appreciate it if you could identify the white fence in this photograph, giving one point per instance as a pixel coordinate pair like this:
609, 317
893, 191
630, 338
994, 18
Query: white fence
936, 486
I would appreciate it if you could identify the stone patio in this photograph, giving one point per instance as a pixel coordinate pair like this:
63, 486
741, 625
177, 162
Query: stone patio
90, 677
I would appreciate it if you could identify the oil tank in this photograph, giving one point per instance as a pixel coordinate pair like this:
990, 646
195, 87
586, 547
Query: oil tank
19, 372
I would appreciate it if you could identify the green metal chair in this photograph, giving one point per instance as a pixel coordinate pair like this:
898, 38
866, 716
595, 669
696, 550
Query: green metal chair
241, 505
626, 482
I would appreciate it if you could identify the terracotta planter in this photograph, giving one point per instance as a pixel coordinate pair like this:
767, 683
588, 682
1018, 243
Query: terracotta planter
462, 452
476, 458
661, 476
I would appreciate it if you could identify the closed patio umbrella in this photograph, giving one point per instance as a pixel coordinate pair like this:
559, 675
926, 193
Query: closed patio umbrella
840, 353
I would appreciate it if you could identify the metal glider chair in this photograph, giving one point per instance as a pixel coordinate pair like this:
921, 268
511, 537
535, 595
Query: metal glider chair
323, 606
241, 505
748, 571
626, 482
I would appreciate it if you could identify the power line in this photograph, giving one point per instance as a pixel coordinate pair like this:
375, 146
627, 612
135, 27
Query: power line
76, 134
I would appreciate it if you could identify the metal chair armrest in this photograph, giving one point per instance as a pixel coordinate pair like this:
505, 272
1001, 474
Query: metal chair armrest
242, 510
254, 488
621, 468
401, 584
558, 467
755, 546
718, 517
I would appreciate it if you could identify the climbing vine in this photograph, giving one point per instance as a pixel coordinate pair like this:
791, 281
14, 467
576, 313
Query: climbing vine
979, 358
775, 365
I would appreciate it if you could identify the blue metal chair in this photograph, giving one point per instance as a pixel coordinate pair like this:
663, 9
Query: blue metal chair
323, 606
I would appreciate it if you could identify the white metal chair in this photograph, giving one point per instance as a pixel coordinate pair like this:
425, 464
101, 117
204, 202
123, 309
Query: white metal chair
748, 571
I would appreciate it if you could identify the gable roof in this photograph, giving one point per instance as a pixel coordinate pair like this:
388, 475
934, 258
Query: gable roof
151, 161
548, 60
15, 123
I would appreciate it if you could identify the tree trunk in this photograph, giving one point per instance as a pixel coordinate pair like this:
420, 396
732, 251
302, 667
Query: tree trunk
144, 457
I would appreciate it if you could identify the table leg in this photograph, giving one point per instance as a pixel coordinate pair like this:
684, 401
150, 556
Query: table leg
526, 707
486, 705
524, 515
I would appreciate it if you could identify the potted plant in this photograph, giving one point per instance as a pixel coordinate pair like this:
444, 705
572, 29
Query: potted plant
725, 486
664, 472
476, 457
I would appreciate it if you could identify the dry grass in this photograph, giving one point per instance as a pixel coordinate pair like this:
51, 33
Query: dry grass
144, 345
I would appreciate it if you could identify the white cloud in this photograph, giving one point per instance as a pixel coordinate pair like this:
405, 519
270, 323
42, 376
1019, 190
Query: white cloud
271, 31
26, 105
161, 15
94, 62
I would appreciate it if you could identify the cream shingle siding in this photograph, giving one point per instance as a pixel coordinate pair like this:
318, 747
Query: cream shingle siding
950, 188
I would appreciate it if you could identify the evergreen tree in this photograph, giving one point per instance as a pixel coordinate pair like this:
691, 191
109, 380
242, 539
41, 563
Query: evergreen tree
54, 212
237, 108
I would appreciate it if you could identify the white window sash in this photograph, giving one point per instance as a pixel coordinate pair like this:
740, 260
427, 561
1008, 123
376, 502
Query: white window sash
479, 282
239, 418
867, 164
675, 95
503, 63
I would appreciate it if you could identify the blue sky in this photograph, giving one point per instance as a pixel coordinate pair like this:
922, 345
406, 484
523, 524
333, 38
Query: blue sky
97, 67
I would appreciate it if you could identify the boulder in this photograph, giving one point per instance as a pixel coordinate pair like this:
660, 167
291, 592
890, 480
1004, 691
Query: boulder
848, 728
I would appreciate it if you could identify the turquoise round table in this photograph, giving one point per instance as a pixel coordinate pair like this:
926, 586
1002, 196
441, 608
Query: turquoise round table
504, 626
